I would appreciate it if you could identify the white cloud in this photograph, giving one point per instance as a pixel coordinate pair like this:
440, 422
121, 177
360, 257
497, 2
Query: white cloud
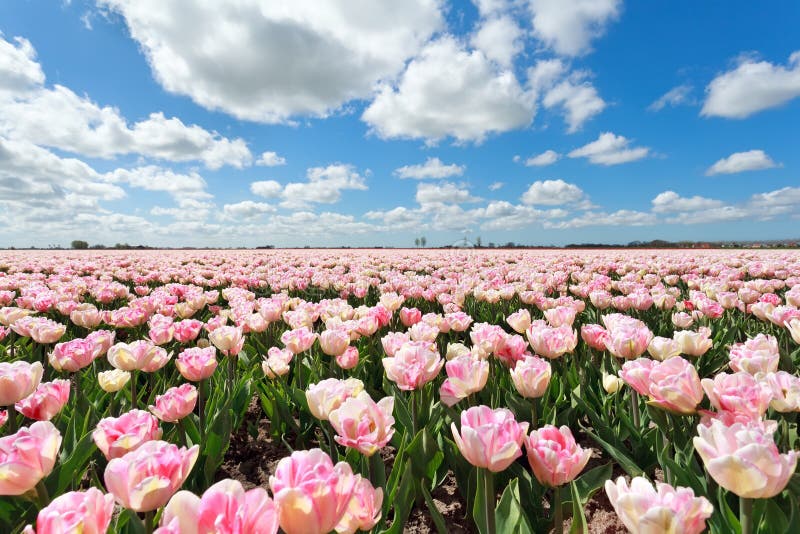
491, 7
751, 160
247, 209
153, 178
188, 209
548, 157
494, 186
751, 87
503, 215
610, 149
568, 26
784, 197
500, 39
397, 218
676, 96
270, 159
552, 193
324, 186
443, 192
19, 70
432, 168
270, 61
266, 188
570, 92
711, 215
617, 218
670, 201
449, 91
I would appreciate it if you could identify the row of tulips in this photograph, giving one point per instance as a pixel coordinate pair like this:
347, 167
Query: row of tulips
384, 377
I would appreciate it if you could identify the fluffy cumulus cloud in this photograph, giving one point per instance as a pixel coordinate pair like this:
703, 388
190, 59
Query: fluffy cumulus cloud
57, 117
752, 86
678, 95
271, 61
610, 149
670, 201
444, 192
247, 209
270, 159
566, 91
751, 160
432, 168
623, 217
450, 91
552, 193
499, 38
266, 188
548, 157
324, 185
154, 178
568, 26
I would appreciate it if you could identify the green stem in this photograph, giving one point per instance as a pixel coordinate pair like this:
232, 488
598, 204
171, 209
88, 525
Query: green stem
746, 515
148, 521
489, 501
134, 403
533, 413
377, 471
558, 521
12, 420
182, 432
201, 411
413, 400
42, 495
635, 408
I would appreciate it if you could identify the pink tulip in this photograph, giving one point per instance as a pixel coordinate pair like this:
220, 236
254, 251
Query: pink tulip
277, 362
139, 355
531, 376
364, 509
486, 338
694, 343
551, 342
228, 339
334, 342
423, 331
46, 331
674, 385
84, 512
103, 340
196, 364
298, 340
738, 392
644, 509
465, 375
628, 340
458, 321
72, 356
757, 355
595, 336
682, 319
312, 495
348, 359
85, 315
794, 330
18, 380
785, 389
44, 403
327, 395
519, 321
187, 330
145, 479
3, 417
636, 373
511, 349
175, 404
743, 459
393, 341
560, 315
414, 364
410, 316
224, 507
363, 424
663, 348
491, 439
117, 436
555, 457
27, 457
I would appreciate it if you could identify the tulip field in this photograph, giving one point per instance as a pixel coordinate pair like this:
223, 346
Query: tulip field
659, 386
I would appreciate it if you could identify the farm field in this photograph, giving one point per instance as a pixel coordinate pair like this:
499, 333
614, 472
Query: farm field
487, 391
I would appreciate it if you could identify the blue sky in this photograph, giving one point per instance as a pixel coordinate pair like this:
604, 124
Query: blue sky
372, 123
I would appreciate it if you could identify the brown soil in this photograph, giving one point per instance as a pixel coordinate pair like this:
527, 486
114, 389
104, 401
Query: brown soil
251, 460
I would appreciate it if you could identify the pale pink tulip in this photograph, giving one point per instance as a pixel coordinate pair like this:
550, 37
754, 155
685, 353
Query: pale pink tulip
117, 436
327, 395
72, 356
363, 424
364, 509
674, 385
628, 340
645, 509
113, 380
27, 457
555, 457
693, 343
465, 375
277, 362
595, 336
175, 404
228, 339
83, 512
414, 364
46, 331
139, 355
86, 315
531, 376
560, 315
348, 359
743, 459
682, 320
44, 403
757, 355
738, 392
334, 342
298, 340
144, 479
663, 348
196, 364
551, 342
491, 439
312, 495
410, 316
187, 330
18, 380
785, 390
519, 321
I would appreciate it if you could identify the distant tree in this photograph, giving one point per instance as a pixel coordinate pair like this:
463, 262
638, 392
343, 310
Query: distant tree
79, 244
423, 241
416, 242
478, 241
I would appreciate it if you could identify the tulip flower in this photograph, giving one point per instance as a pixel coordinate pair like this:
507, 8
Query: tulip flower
139, 355
693, 343
757, 355
519, 321
277, 362
551, 342
531, 376
348, 359
145, 478
196, 364
28, 456
364, 509
298, 340
491, 439
465, 375
228, 339
334, 342
363, 424
175, 404
595, 336
738, 392
44, 403
117, 436
224, 507
414, 364
644, 509
74, 355
785, 390
312, 495
326, 396
84, 512
555, 457
113, 380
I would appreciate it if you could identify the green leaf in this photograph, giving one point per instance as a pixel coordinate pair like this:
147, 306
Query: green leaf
578, 518
772, 518
625, 461
403, 501
438, 520
479, 506
591, 481
510, 515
